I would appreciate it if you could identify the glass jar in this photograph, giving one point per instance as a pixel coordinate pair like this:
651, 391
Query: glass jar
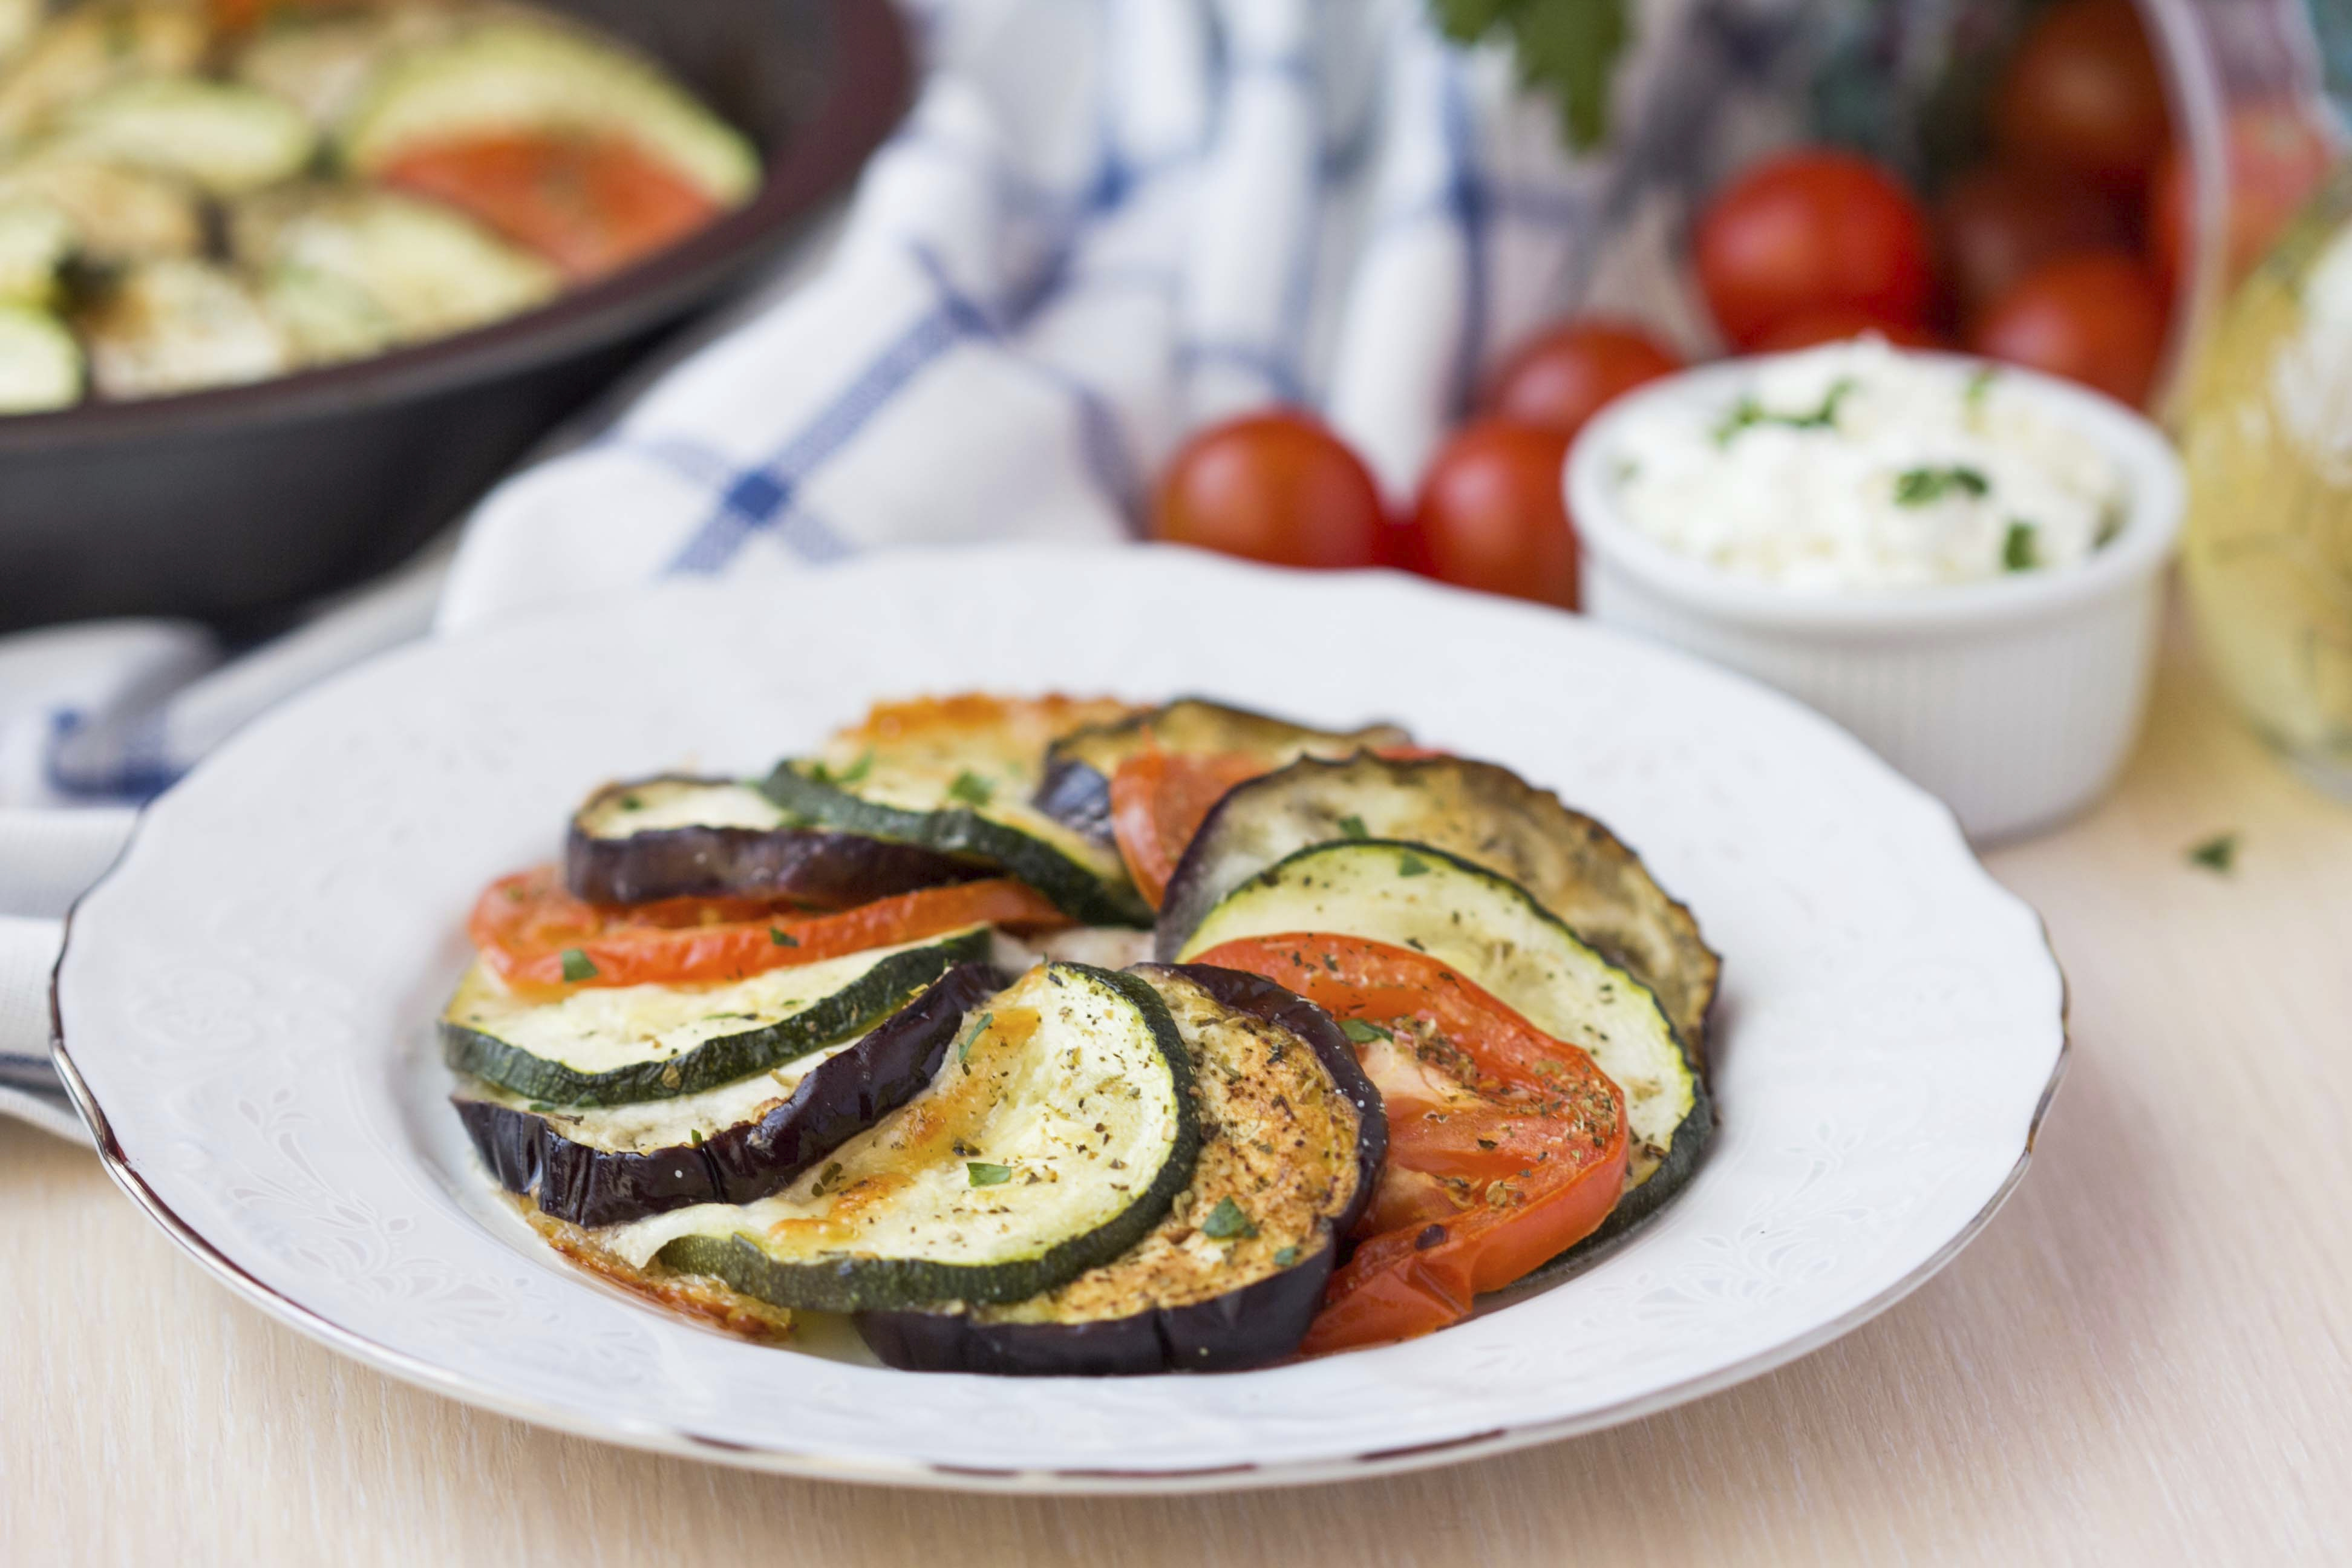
2266, 431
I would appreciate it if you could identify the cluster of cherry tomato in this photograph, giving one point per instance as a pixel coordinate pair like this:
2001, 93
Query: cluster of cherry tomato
2062, 251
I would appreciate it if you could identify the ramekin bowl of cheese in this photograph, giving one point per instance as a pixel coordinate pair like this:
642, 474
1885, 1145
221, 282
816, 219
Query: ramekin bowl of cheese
1962, 563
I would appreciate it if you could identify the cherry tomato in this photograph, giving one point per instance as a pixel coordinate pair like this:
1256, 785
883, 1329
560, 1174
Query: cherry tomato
591, 204
1278, 487
2082, 96
535, 934
2000, 222
2097, 318
1507, 1147
1492, 514
1809, 229
1562, 378
2276, 158
1836, 323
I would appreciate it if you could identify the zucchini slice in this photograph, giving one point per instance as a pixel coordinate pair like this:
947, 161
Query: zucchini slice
1075, 788
1055, 1134
1486, 815
40, 363
119, 213
175, 325
1292, 1135
36, 239
518, 73
1501, 940
618, 1045
957, 775
726, 1145
224, 136
87, 48
674, 837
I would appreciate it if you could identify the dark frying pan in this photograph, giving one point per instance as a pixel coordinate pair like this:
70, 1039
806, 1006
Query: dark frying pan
232, 506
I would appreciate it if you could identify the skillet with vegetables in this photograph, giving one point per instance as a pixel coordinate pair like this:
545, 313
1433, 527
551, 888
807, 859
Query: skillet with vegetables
198, 192
1057, 1036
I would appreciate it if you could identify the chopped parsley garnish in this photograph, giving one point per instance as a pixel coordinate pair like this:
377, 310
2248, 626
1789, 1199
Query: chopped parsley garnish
1980, 384
694, 1137
2218, 854
979, 1027
1924, 487
1412, 866
1363, 1033
1226, 1222
781, 937
1354, 826
972, 789
2017, 551
856, 770
631, 802
1747, 412
1284, 1257
577, 966
983, 1175
824, 1179
542, 1105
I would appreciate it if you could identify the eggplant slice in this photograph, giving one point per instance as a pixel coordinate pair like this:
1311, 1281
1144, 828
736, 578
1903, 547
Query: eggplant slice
621, 1045
678, 837
727, 1145
1293, 1137
1075, 788
1485, 814
1495, 936
956, 775
1055, 1134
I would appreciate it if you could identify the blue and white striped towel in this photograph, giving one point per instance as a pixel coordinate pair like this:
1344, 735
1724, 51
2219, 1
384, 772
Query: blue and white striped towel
1102, 225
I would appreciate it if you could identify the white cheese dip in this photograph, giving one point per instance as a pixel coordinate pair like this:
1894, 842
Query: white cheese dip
1855, 465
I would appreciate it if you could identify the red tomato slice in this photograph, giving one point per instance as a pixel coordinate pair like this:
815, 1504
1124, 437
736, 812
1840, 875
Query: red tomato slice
1505, 1146
1159, 800
531, 931
590, 204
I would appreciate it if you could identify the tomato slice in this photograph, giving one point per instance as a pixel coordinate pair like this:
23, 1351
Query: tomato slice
1158, 802
1505, 1146
534, 933
590, 204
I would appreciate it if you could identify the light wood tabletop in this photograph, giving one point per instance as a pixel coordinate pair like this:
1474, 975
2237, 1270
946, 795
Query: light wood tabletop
2146, 1357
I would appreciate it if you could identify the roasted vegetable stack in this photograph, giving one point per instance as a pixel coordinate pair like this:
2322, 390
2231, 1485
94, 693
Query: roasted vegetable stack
1046, 1035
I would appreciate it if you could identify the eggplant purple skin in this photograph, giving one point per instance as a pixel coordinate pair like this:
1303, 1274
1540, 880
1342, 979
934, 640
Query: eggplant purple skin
1077, 796
815, 866
836, 1101
1256, 1325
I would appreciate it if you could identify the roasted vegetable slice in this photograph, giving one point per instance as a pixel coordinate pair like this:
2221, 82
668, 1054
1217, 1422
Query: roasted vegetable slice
521, 74
40, 363
956, 774
223, 136
117, 214
176, 326
90, 48
1057, 1133
1503, 941
674, 837
1075, 788
619, 1045
323, 62
1292, 1137
1486, 815
36, 237
726, 1145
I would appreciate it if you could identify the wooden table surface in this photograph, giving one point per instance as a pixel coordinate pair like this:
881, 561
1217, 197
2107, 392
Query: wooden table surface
2146, 1358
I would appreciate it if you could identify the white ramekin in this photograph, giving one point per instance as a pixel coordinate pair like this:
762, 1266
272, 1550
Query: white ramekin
2016, 701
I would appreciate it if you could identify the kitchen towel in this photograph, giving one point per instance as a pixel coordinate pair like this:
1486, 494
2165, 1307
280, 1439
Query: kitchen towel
1101, 226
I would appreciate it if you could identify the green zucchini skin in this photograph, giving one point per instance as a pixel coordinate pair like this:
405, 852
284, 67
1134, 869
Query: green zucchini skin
838, 1100
859, 1284
873, 997
1077, 891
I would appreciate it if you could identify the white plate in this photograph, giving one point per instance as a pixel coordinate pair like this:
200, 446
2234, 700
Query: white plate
245, 1008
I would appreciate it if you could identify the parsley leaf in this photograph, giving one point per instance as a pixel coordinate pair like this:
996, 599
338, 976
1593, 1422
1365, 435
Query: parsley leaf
1567, 47
1226, 1222
1923, 487
856, 770
979, 1027
781, 937
1412, 866
1354, 826
2017, 551
970, 789
578, 966
1980, 386
1747, 412
694, 1137
2218, 854
1284, 1257
983, 1175
1363, 1033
